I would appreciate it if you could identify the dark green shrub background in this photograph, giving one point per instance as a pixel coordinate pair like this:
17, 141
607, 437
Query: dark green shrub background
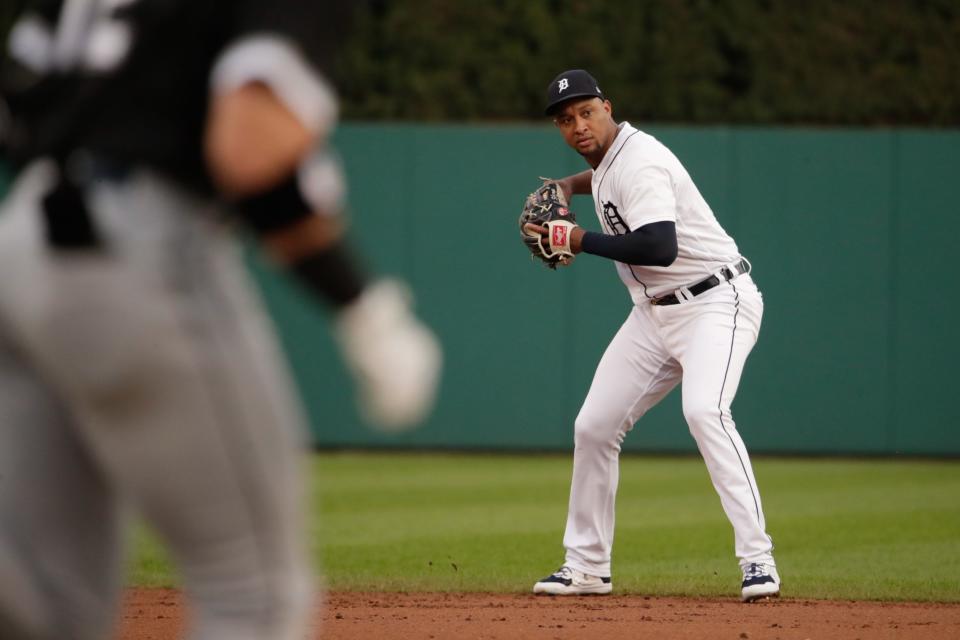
854, 62
857, 62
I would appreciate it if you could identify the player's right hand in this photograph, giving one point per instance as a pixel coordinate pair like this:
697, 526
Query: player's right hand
396, 360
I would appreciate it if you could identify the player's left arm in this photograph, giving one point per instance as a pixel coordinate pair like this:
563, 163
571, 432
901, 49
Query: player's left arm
268, 125
271, 115
653, 244
256, 148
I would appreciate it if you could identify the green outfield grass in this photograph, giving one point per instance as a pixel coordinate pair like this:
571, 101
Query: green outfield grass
433, 522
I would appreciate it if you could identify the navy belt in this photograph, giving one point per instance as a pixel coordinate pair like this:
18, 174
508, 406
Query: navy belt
729, 273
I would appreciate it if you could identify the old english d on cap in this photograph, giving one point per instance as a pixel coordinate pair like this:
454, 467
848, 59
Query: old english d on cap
575, 83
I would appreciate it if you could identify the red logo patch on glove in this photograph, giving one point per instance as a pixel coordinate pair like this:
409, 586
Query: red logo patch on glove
559, 236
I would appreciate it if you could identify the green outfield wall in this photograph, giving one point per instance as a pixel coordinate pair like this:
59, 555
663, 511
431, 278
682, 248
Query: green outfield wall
853, 235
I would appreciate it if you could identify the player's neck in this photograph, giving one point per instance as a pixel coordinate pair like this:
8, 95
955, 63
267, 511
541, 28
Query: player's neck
594, 158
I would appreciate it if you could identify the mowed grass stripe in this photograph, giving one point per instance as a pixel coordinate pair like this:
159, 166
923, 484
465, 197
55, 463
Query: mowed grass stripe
886, 530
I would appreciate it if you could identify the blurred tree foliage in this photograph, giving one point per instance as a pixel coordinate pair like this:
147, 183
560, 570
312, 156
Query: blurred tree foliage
850, 62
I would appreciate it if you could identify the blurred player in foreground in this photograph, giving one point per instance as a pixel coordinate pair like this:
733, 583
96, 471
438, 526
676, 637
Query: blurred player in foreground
136, 363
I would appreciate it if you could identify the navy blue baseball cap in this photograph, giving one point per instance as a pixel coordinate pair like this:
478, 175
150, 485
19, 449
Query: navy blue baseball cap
574, 83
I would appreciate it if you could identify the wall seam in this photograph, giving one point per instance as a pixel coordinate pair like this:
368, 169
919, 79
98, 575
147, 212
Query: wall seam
892, 422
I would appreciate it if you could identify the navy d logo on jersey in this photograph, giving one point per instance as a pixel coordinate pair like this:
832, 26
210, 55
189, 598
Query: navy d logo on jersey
613, 219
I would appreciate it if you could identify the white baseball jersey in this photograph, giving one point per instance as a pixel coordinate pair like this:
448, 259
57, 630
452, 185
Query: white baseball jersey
640, 181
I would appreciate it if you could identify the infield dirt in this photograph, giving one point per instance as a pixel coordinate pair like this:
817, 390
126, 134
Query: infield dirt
158, 614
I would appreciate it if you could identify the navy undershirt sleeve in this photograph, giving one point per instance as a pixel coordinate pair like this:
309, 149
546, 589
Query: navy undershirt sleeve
652, 245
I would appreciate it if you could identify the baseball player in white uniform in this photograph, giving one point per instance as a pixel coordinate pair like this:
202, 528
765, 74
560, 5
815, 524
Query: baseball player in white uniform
695, 317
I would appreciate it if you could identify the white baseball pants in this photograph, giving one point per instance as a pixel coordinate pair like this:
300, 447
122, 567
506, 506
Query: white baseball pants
702, 343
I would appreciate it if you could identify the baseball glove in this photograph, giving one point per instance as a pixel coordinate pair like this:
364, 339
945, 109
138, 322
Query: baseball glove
547, 207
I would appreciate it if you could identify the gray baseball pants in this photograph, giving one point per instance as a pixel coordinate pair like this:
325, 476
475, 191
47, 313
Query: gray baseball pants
143, 375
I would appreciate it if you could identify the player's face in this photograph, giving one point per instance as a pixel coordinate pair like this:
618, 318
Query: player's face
588, 127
